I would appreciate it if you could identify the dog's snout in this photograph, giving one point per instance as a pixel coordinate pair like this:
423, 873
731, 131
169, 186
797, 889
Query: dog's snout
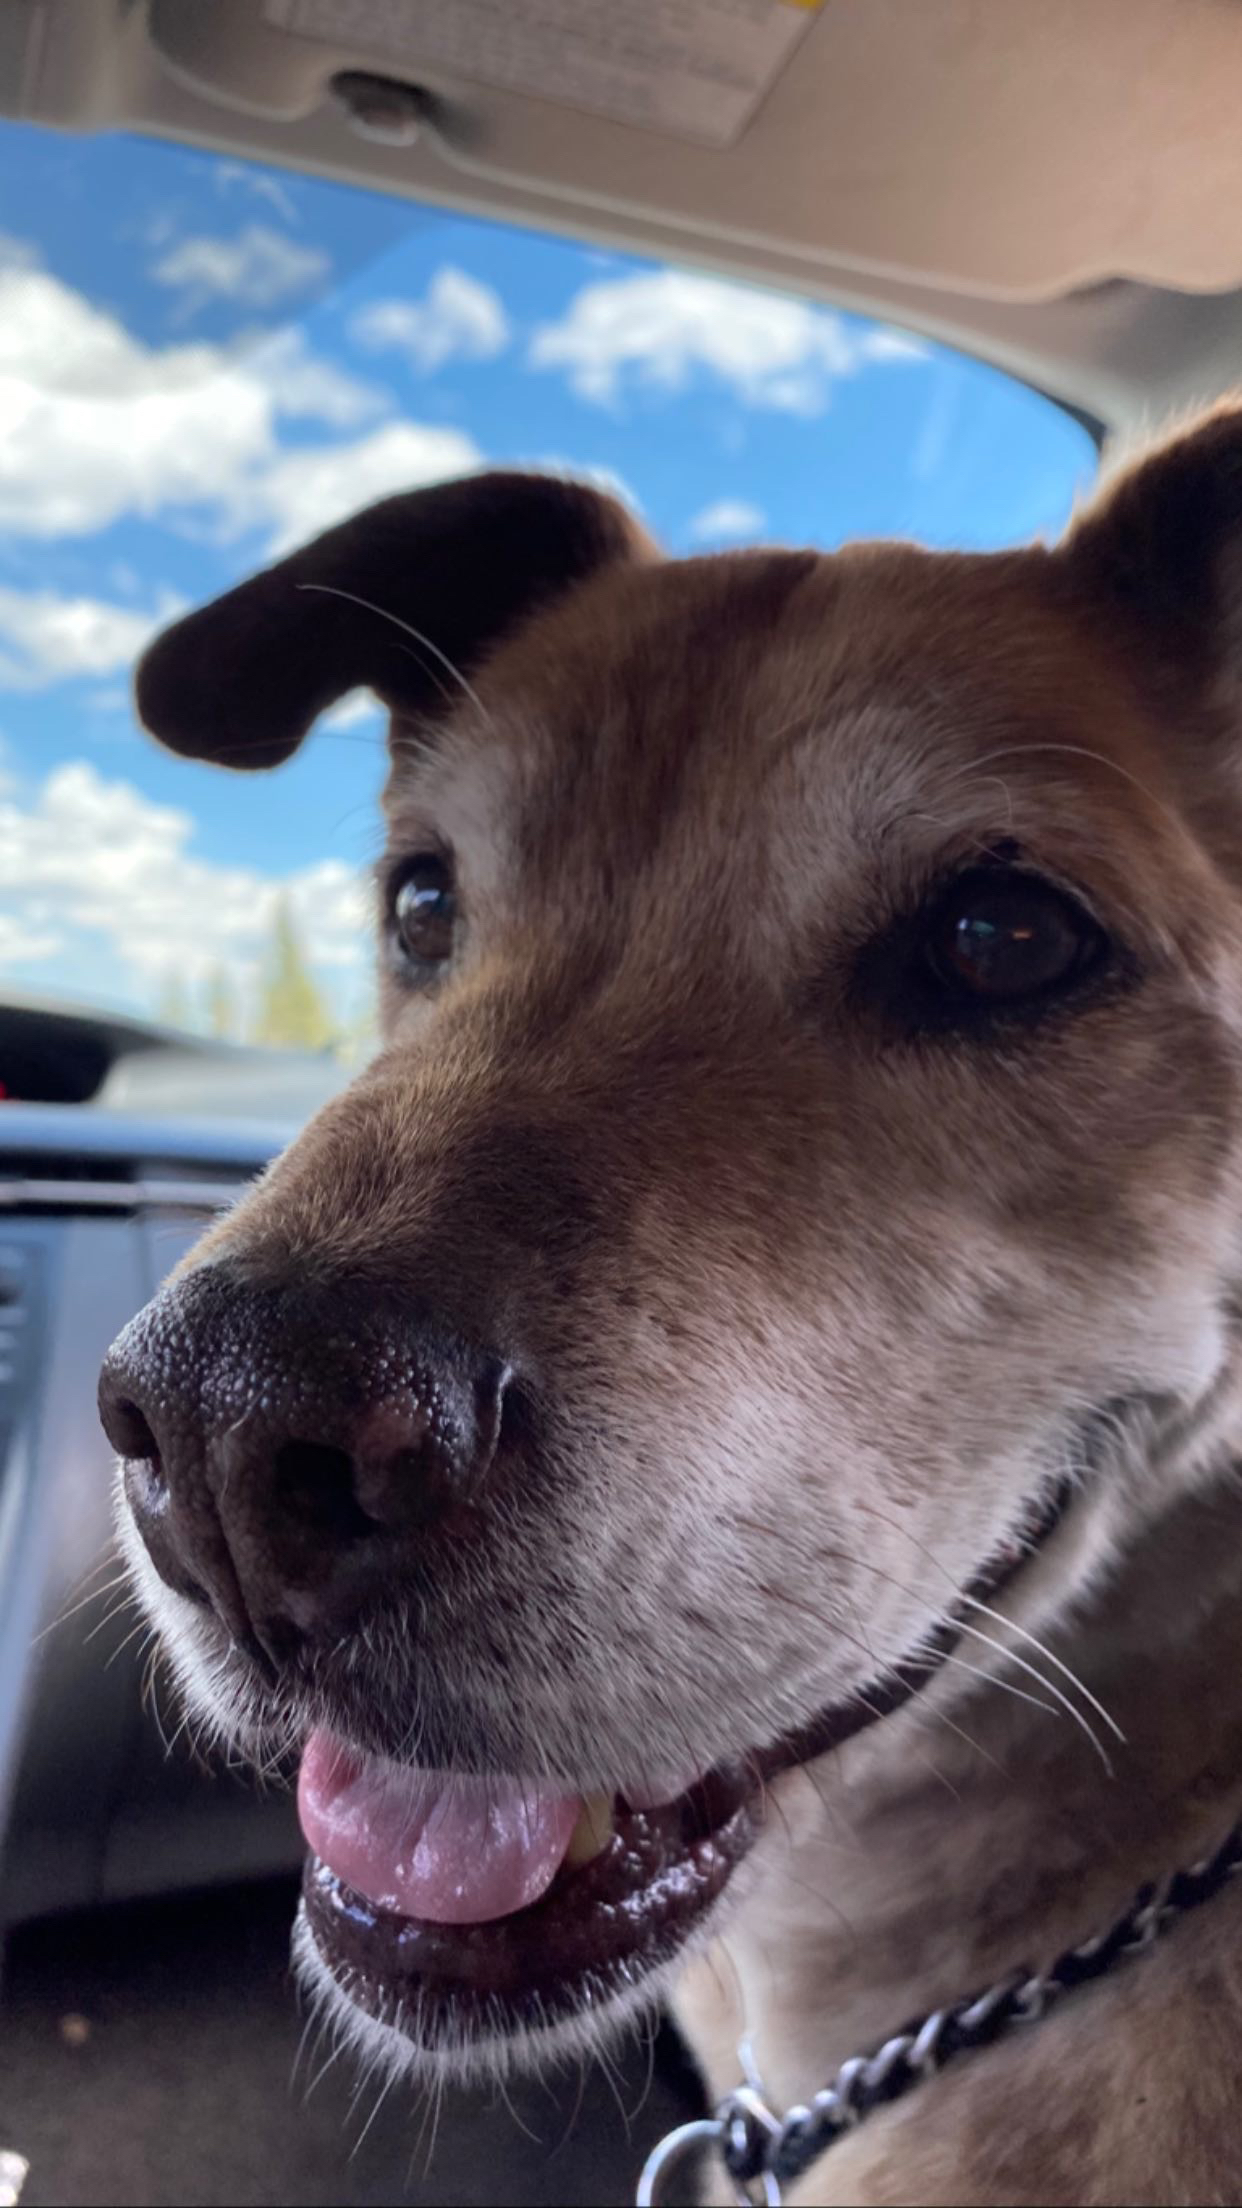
288, 1453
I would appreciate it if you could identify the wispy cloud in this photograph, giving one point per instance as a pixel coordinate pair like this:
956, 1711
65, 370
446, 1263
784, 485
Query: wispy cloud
46, 637
726, 520
459, 319
255, 183
659, 328
257, 267
600, 477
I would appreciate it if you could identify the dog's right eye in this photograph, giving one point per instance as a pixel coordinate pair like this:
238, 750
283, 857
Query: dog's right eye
1001, 937
997, 944
424, 911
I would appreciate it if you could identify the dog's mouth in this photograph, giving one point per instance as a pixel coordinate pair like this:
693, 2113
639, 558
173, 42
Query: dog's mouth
460, 1909
529, 1906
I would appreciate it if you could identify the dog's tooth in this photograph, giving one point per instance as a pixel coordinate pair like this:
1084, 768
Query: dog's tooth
592, 1832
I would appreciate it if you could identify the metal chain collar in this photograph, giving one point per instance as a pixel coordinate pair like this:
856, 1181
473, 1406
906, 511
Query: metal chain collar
762, 2151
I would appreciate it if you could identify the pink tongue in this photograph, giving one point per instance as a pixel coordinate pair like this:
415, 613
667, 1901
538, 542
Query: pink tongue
426, 1844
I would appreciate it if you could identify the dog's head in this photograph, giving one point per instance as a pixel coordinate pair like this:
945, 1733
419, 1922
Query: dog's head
804, 1150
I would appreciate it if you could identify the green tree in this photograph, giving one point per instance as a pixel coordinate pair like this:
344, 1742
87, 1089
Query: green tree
220, 1004
359, 1036
293, 1013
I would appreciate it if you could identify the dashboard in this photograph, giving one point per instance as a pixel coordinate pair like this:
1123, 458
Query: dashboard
96, 1207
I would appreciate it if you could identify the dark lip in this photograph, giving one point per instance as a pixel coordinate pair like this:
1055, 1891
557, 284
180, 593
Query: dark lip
604, 1927
830, 1727
598, 1928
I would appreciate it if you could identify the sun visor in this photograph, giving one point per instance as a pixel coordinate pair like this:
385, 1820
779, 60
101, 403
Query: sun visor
1017, 152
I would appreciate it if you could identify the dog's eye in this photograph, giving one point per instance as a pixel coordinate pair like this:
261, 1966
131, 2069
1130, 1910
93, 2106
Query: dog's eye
1003, 937
424, 909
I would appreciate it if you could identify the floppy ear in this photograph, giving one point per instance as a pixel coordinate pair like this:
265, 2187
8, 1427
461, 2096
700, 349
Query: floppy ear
392, 599
1161, 552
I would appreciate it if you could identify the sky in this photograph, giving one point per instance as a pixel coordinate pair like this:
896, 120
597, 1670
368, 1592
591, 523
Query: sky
203, 363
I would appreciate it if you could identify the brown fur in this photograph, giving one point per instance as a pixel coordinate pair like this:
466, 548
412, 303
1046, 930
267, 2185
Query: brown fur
811, 1303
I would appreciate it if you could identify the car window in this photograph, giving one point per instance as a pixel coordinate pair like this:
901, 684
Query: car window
204, 362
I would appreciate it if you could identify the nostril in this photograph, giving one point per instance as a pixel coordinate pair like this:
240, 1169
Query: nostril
315, 1483
130, 1433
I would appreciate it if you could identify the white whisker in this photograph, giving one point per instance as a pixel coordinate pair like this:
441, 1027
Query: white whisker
1011, 1626
1100, 758
998, 1617
1010, 1656
368, 605
1020, 1694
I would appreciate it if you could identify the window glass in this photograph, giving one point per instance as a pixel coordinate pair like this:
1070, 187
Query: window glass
204, 362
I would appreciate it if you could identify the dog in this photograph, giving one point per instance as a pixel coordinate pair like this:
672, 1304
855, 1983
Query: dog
718, 1451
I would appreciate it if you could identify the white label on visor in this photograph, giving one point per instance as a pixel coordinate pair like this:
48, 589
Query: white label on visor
695, 68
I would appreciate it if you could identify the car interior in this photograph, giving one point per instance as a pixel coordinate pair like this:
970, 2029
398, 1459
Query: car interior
1043, 194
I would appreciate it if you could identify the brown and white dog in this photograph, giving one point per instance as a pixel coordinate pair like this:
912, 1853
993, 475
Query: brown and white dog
782, 1268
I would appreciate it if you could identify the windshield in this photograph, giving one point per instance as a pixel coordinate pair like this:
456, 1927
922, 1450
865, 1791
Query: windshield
205, 362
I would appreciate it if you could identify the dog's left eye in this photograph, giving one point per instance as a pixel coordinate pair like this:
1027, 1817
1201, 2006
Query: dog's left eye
424, 910
1002, 937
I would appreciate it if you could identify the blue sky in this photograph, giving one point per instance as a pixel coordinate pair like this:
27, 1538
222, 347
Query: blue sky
203, 362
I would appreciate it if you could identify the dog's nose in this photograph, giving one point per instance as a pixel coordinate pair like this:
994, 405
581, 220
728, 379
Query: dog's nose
288, 1452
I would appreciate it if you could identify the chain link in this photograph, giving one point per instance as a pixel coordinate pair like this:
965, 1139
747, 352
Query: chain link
763, 2149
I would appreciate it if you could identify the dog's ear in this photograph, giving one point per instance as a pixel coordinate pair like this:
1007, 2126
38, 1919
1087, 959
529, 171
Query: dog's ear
395, 599
1160, 553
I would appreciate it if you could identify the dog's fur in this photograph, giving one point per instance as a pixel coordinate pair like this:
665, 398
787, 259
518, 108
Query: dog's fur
815, 1303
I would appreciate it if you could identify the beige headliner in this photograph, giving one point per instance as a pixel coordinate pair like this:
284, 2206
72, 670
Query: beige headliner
961, 164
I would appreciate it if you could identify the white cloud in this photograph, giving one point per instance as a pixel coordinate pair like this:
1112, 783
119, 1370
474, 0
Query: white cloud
601, 478
18, 942
356, 708
46, 638
728, 518
303, 492
660, 327
99, 425
258, 184
305, 386
91, 858
460, 319
257, 268
885, 344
